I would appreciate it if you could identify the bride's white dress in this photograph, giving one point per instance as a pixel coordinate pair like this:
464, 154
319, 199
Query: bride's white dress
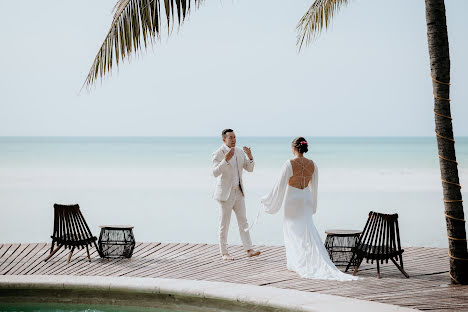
305, 251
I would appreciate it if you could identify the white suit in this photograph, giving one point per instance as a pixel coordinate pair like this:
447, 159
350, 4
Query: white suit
229, 195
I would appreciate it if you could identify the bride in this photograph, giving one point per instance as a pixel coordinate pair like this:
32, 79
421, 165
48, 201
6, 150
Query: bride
297, 186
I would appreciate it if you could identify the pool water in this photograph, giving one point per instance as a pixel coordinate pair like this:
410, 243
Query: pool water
63, 307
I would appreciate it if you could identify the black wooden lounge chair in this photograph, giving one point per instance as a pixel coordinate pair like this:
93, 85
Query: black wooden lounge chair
379, 241
70, 231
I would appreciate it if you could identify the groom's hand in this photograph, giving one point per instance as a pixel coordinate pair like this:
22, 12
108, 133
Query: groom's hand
230, 154
248, 152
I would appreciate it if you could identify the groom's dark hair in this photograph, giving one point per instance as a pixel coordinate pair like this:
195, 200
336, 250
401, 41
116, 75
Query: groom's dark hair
225, 132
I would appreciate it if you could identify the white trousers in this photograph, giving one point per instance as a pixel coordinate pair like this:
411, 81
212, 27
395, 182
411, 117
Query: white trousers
234, 202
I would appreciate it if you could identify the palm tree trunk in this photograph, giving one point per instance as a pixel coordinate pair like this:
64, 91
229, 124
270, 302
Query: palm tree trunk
440, 71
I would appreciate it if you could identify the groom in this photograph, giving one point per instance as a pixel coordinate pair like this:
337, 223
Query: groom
228, 165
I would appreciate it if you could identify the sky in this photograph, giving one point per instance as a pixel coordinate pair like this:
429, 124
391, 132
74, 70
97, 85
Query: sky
233, 64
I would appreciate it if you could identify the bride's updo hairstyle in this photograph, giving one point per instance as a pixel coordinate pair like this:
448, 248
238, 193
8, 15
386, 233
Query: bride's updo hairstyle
300, 144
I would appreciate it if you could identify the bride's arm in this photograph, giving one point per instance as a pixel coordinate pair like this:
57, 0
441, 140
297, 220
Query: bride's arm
273, 201
313, 186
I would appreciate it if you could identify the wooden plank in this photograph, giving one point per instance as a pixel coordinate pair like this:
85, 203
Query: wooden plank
148, 252
176, 259
239, 268
162, 254
97, 264
60, 262
81, 263
81, 266
8, 252
3, 250
192, 257
53, 261
10, 259
218, 267
78, 255
28, 259
35, 261
110, 266
182, 264
16, 259
196, 264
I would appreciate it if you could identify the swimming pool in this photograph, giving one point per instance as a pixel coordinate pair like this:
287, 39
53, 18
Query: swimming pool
66, 307
77, 298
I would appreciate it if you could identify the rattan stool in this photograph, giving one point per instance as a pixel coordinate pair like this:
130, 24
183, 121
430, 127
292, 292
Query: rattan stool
116, 241
339, 244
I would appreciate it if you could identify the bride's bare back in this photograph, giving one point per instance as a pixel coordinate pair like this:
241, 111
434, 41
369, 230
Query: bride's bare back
303, 169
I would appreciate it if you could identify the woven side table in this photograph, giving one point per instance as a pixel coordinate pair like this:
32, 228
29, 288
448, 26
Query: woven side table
116, 241
340, 244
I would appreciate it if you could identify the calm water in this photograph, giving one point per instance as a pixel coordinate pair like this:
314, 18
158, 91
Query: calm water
56, 307
163, 186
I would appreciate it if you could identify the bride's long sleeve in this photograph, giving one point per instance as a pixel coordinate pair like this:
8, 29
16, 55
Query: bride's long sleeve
273, 201
313, 186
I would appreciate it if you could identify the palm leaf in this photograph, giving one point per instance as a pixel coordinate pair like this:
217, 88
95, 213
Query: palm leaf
136, 23
317, 17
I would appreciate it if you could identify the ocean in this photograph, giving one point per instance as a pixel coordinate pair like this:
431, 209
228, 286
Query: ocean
163, 186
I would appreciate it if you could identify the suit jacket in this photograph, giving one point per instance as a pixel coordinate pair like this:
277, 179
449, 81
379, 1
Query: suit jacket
223, 171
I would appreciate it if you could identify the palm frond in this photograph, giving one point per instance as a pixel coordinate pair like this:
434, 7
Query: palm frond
136, 23
317, 17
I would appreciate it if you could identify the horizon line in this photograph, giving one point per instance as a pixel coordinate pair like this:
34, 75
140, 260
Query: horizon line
214, 136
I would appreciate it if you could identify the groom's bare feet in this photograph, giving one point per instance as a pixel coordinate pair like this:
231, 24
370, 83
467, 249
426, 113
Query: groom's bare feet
228, 257
253, 253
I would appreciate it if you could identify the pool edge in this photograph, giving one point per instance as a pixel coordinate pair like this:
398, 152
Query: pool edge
263, 296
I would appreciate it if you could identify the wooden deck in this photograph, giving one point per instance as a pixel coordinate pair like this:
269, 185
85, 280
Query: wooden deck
428, 288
